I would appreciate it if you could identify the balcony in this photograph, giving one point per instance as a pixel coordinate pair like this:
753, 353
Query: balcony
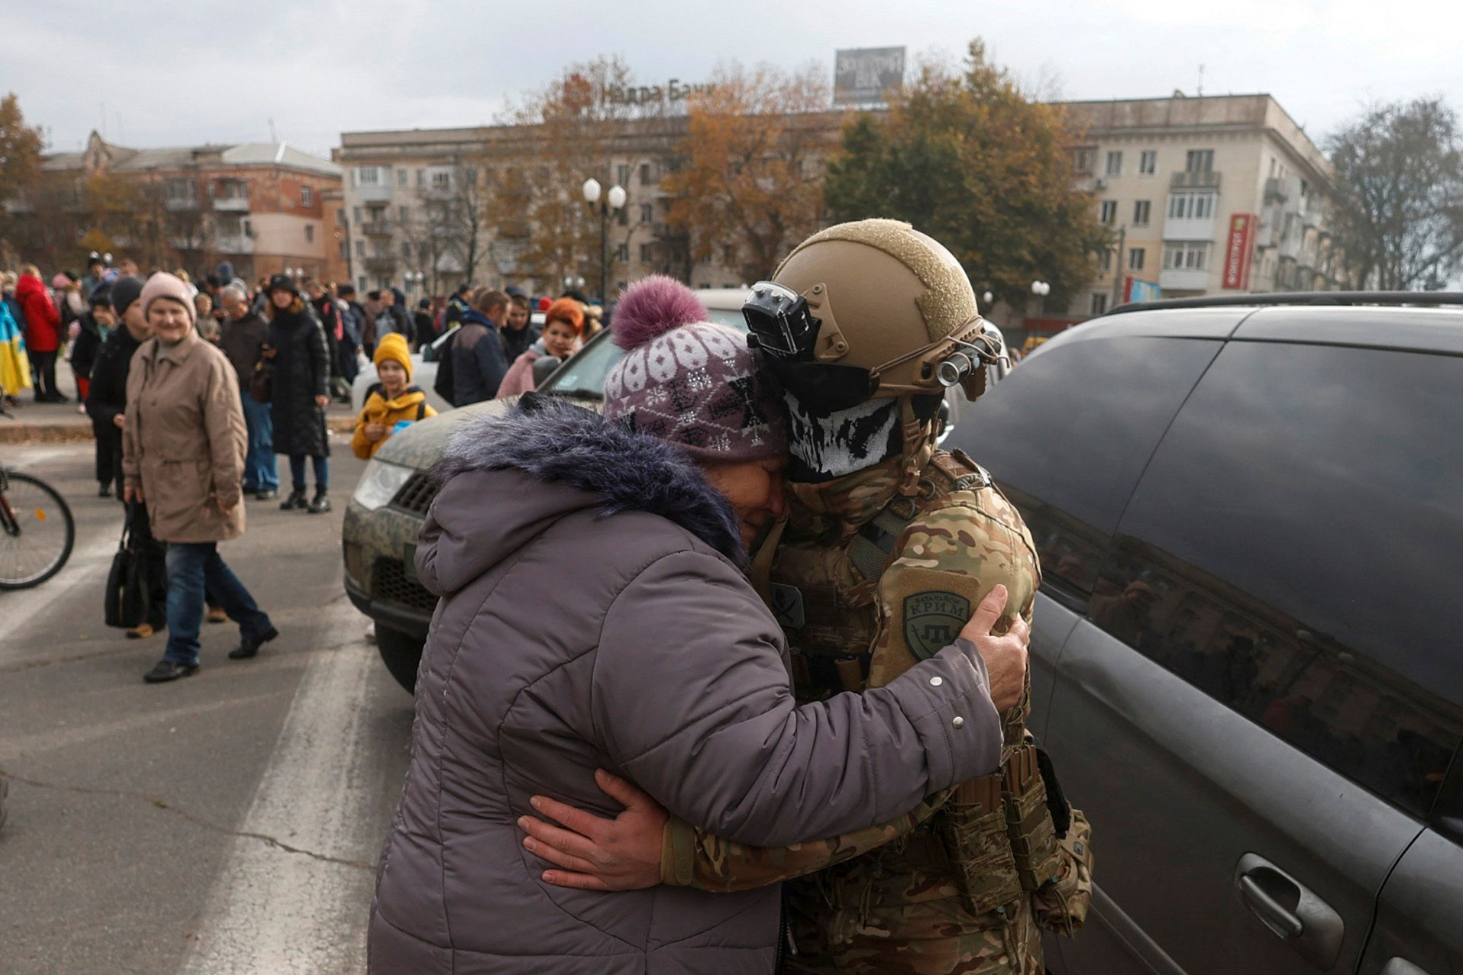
380, 264
231, 204
182, 203
1194, 181
377, 228
374, 192
1183, 279
1189, 228
233, 244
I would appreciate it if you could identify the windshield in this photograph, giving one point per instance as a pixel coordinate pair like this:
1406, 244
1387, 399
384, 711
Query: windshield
584, 374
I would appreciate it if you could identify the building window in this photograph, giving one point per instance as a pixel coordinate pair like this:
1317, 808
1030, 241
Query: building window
1106, 263
1099, 302
1114, 164
1082, 159
359, 216
344, 251
422, 178
1135, 258
307, 197
622, 217
622, 253
442, 180
361, 250
340, 217
406, 250
1141, 210
1189, 256
647, 212
622, 173
647, 253
645, 174
309, 233
361, 283
1148, 162
401, 177
368, 175
1191, 206
1200, 161
1109, 211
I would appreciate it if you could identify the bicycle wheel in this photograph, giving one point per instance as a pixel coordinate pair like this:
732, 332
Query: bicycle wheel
36, 531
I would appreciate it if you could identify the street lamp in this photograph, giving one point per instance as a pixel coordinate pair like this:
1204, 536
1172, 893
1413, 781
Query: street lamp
987, 299
414, 279
615, 199
1041, 289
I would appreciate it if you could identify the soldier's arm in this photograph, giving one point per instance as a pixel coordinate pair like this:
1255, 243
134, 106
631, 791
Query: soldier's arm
692, 857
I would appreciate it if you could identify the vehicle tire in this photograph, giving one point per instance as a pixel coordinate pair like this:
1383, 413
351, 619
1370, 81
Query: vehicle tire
401, 653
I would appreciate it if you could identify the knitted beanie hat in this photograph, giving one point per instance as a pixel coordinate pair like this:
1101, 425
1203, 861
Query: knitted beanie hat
393, 346
164, 285
125, 290
689, 381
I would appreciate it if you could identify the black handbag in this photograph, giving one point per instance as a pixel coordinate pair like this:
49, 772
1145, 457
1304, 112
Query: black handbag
125, 601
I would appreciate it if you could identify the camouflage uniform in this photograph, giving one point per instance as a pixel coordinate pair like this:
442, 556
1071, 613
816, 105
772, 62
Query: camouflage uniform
899, 908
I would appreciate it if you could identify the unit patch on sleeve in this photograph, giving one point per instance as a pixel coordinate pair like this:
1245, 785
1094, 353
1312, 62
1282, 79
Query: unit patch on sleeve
932, 621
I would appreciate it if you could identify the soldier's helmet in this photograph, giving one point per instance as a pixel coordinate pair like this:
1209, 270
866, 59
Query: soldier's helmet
869, 309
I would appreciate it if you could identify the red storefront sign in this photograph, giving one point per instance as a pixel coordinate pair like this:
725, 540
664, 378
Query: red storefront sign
1240, 253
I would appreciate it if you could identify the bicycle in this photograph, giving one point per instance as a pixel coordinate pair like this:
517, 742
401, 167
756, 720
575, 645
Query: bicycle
37, 531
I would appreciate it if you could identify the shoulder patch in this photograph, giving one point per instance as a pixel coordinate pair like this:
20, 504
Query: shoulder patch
932, 621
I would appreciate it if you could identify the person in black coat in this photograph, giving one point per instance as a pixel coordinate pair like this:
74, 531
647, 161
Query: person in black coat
94, 327
106, 404
299, 390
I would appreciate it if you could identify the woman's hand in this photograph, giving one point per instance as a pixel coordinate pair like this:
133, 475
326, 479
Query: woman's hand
322, 401
130, 493
596, 853
119, 420
375, 431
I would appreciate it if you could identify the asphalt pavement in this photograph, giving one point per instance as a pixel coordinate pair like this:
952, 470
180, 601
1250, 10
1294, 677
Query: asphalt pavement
224, 823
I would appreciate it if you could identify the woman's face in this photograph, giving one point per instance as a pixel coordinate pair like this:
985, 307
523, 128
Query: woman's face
169, 319
754, 488
559, 338
282, 299
392, 376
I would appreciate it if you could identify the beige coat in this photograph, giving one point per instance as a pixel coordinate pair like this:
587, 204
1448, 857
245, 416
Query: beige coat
184, 440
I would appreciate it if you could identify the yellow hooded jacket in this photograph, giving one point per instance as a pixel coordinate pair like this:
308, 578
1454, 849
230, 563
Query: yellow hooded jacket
410, 405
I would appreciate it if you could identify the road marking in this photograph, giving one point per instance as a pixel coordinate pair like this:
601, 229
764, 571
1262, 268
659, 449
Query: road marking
36, 457
80, 583
280, 912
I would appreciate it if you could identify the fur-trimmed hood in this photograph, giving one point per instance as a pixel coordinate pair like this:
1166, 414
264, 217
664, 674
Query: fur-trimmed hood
582, 461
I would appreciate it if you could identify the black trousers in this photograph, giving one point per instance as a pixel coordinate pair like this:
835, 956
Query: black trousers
44, 364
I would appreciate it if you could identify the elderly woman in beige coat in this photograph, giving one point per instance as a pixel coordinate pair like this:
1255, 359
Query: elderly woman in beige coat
183, 453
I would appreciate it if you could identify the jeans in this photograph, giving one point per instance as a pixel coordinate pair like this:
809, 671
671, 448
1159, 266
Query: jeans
192, 567
260, 470
297, 472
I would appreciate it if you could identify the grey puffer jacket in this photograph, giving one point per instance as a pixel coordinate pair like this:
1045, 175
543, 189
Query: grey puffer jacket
594, 615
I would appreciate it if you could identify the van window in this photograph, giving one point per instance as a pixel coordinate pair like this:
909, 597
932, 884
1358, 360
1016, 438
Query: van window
1067, 433
1293, 551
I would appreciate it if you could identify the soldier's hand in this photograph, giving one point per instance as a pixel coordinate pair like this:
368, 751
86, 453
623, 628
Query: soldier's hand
1004, 654
597, 853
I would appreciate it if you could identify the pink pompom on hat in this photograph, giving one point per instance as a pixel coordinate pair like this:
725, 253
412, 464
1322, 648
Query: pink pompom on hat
689, 381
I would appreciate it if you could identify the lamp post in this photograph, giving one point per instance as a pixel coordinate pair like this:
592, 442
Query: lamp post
1041, 289
414, 280
614, 200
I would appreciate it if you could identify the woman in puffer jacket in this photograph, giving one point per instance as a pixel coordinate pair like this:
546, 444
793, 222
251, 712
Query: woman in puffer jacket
659, 663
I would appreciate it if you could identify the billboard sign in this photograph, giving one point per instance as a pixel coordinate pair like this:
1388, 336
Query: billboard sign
862, 75
1135, 290
1240, 251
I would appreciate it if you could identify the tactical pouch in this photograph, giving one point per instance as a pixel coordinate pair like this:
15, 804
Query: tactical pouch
1062, 906
1029, 828
973, 828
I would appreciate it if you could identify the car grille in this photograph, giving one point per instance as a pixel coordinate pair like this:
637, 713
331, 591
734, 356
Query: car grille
391, 585
416, 494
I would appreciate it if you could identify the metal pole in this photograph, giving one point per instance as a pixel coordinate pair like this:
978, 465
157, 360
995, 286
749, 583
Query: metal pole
604, 249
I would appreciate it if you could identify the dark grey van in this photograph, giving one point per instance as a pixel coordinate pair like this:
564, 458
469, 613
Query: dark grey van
1248, 659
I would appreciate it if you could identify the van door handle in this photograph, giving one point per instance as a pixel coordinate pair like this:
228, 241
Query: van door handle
1291, 911
1401, 966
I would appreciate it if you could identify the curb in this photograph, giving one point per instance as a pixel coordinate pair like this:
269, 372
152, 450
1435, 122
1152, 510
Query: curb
38, 433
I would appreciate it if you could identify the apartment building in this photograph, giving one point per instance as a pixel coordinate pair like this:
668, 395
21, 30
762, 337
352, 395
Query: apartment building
260, 206
1204, 195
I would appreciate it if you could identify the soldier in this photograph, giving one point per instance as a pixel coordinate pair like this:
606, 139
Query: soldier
888, 546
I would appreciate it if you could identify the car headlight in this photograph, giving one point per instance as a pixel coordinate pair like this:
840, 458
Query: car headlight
379, 484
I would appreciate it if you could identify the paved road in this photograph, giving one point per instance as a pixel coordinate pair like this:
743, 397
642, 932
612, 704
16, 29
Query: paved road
226, 823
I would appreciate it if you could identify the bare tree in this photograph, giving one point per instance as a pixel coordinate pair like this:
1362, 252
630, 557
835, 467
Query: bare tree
1398, 211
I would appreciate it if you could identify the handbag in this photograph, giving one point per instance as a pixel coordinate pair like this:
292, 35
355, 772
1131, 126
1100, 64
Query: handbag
261, 382
125, 601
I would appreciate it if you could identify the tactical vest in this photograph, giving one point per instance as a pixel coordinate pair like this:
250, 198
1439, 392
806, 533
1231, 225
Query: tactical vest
995, 837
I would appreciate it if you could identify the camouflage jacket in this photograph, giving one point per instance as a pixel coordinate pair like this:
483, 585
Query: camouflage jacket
958, 538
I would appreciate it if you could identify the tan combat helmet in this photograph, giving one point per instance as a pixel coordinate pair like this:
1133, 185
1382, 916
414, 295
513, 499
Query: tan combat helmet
888, 300
872, 309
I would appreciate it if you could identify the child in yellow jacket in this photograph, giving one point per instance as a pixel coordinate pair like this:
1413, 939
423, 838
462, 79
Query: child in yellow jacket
392, 400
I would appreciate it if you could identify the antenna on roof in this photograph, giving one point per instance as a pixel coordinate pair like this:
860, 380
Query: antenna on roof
1201, 81
272, 136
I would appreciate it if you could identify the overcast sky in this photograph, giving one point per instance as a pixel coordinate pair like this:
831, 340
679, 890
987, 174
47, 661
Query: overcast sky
155, 73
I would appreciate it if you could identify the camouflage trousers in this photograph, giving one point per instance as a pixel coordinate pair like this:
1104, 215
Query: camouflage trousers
903, 926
